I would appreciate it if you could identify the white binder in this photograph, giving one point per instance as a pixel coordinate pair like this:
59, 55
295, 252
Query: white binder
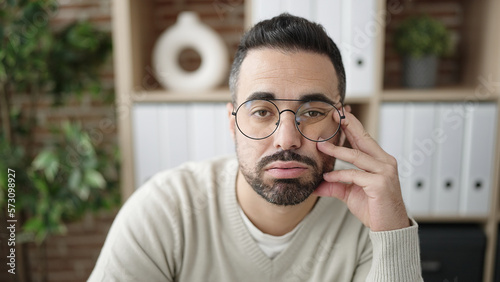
173, 131
299, 8
146, 142
480, 132
262, 9
392, 137
419, 156
358, 46
449, 136
351, 23
329, 13
201, 138
224, 144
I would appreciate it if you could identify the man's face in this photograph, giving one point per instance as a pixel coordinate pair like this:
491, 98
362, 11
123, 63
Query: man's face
284, 168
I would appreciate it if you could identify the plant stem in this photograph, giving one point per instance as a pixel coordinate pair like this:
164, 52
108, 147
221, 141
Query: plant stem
4, 109
34, 94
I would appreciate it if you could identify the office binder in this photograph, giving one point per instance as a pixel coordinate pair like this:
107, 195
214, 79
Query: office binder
224, 144
449, 135
421, 146
480, 132
262, 10
392, 137
146, 142
329, 14
201, 138
351, 23
299, 8
358, 46
173, 132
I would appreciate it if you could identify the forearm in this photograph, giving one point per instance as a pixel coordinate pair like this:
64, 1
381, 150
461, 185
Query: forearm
396, 255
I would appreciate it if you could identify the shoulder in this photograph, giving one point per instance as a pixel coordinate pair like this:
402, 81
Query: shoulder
181, 185
215, 169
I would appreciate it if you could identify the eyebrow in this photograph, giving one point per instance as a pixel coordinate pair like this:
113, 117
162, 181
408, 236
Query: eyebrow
262, 95
316, 97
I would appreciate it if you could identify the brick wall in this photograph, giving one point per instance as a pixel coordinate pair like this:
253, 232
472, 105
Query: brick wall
73, 256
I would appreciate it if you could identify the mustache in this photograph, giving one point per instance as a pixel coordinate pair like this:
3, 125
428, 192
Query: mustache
286, 156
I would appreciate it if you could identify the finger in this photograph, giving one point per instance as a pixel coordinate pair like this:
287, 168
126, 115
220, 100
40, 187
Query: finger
341, 191
354, 156
329, 189
359, 137
348, 108
357, 177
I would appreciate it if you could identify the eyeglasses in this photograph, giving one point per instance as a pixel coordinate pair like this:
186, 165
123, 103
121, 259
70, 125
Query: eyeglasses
259, 118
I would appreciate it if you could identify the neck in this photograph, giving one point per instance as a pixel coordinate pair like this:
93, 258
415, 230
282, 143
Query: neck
270, 218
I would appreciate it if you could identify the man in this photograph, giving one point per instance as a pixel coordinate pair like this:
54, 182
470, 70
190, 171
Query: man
279, 212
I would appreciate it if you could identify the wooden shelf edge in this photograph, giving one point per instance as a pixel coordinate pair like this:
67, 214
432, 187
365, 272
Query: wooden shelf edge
357, 100
451, 219
214, 95
442, 94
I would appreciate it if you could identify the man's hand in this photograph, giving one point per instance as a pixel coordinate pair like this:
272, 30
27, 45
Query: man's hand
372, 194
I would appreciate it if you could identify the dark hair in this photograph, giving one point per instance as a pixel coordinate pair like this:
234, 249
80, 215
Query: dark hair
288, 33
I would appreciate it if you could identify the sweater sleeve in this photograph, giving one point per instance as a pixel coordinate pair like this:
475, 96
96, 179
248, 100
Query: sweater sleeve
141, 244
396, 255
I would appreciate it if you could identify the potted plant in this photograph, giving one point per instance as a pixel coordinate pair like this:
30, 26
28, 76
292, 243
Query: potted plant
59, 182
421, 40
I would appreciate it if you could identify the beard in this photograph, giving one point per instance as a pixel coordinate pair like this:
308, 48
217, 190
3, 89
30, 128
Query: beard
289, 191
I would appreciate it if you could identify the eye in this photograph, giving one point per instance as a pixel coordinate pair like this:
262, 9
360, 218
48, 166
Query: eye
261, 113
313, 114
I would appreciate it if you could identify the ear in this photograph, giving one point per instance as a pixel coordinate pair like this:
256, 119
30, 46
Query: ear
231, 118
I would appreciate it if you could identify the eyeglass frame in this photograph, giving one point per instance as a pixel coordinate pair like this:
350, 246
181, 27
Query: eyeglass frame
342, 116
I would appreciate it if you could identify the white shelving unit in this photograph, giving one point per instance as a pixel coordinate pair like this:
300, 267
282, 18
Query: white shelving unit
134, 38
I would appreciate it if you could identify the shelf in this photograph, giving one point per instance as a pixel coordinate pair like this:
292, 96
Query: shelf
357, 100
451, 219
442, 94
138, 24
221, 94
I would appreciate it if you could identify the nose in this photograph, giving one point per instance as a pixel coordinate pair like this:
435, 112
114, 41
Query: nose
287, 136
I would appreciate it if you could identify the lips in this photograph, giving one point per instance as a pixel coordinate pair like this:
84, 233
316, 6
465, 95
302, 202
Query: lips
285, 170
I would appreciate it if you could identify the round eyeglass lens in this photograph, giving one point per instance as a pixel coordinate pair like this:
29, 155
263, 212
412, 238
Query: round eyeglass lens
257, 119
315, 121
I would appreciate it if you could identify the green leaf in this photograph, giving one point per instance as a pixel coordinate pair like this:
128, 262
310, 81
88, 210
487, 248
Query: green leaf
84, 192
75, 178
44, 159
48, 162
34, 225
51, 170
40, 184
94, 179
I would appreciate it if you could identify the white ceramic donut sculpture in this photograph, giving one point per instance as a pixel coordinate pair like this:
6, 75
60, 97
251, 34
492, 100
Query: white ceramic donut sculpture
190, 32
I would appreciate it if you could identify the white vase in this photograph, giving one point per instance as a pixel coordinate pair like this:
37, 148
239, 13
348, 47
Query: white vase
190, 32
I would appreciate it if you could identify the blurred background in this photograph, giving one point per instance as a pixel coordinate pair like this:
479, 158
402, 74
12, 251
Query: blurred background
87, 118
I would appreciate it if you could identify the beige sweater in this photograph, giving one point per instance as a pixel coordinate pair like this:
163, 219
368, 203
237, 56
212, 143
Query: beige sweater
184, 225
